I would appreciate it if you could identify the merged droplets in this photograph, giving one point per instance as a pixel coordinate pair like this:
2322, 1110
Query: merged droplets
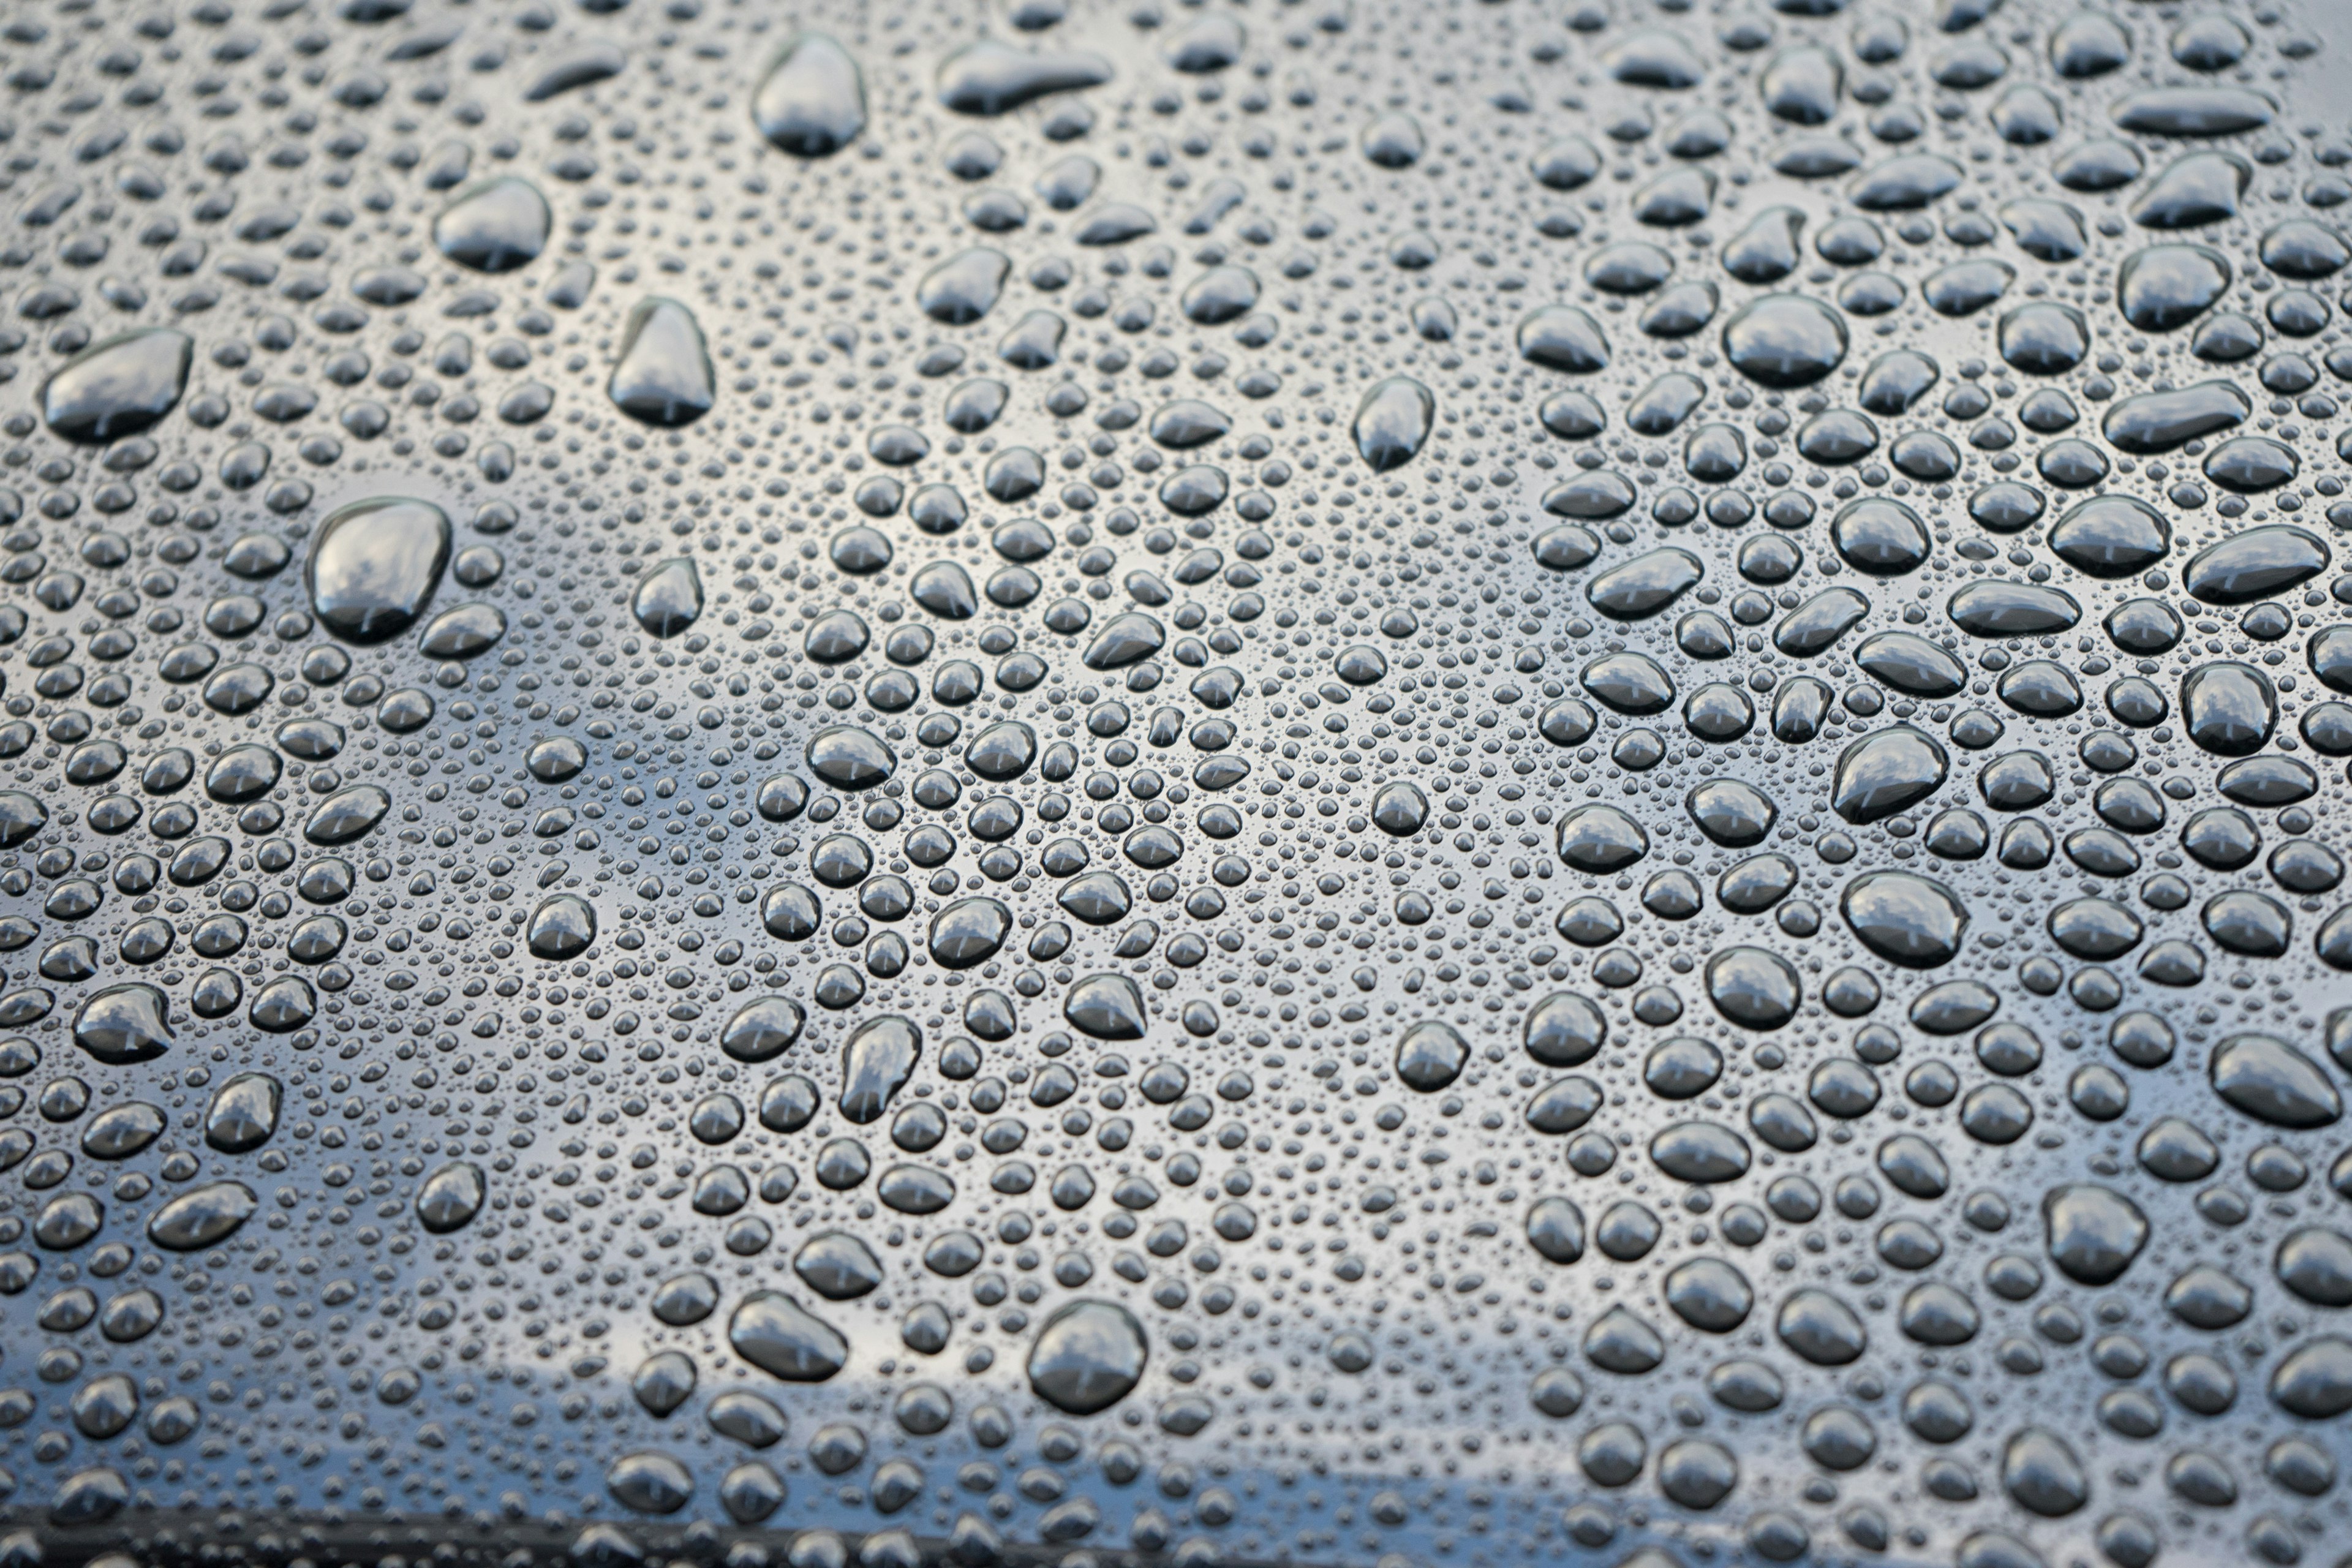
989, 77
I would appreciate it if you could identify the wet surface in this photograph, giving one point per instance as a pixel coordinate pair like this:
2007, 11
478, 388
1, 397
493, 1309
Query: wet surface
1338, 783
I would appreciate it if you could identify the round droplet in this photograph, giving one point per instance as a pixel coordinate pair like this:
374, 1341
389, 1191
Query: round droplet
1822, 1329
1752, 987
2094, 1232
1087, 1357
561, 927
1905, 918
837, 1266
1785, 340
1399, 808
1430, 1056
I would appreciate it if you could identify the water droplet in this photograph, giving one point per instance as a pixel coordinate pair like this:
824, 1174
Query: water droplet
663, 375
494, 225
119, 386
1087, 1356
812, 101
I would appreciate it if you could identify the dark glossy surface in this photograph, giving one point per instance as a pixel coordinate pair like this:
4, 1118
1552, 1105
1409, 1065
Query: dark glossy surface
1333, 783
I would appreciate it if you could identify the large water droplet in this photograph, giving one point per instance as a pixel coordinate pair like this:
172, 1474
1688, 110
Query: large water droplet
2094, 1232
775, 1333
989, 77
663, 376
1784, 340
668, 599
202, 1217
123, 1025
812, 101
1393, 421
494, 225
1887, 773
450, 1197
1087, 1357
1430, 1056
243, 1113
562, 926
119, 386
1905, 919
876, 1062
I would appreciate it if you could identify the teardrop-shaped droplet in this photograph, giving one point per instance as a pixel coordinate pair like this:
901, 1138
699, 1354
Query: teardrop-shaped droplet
664, 376
812, 102
992, 77
1393, 421
561, 927
837, 1266
1886, 773
1105, 1008
669, 599
876, 1063
243, 1113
